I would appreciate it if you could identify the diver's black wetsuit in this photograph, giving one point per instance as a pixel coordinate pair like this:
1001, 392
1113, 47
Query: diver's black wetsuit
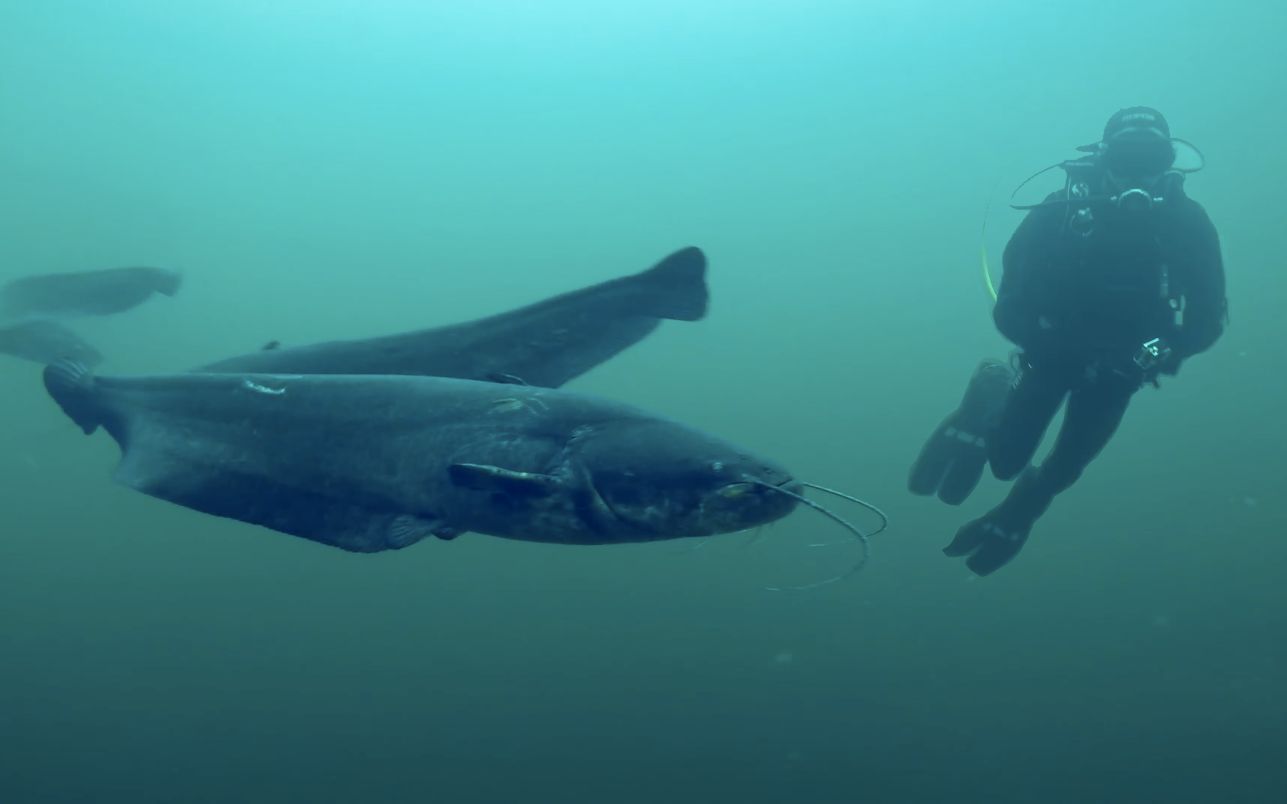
1107, 285
1081, 306
1079, 301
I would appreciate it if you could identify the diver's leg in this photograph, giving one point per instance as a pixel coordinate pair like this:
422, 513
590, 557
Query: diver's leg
1027, 414
952, 460
1094, 411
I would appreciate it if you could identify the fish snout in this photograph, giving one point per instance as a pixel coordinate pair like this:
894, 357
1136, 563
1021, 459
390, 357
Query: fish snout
752, 501
790, 485
778, 478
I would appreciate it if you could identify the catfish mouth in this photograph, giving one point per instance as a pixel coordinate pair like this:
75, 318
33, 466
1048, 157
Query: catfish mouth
790, 484
749, 483
749, 502
732, 506
736, 488
736, 505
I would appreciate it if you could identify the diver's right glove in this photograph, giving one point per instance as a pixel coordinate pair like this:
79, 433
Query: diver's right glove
1153, 358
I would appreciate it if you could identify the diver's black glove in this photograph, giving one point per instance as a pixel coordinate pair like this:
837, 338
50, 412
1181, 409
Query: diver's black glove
1152, 354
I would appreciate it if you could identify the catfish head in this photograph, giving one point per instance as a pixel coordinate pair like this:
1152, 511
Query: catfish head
633, 480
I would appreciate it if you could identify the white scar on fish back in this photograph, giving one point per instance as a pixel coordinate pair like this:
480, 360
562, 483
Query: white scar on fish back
262, 389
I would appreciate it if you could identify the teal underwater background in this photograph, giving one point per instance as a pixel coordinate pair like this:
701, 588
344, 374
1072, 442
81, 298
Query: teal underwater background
337, 168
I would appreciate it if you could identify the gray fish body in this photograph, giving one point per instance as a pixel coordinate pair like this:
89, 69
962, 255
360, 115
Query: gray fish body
544, 344
113, 290
379, 462
46, 342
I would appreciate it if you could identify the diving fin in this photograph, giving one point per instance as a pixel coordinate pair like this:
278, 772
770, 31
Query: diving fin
952, 460
991, 541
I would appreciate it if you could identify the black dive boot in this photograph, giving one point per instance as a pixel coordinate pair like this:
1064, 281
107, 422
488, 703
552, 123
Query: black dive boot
996, 537
952, 461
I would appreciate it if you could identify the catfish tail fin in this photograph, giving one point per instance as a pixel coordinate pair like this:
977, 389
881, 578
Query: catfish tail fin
677, 285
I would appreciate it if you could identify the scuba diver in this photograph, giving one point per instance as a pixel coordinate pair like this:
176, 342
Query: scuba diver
1108, 284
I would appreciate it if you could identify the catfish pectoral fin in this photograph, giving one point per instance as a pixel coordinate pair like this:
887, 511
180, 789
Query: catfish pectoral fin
72, 386
483, 477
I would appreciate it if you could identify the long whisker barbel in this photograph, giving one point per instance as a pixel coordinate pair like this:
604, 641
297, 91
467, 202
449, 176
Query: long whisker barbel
884, 518
862, 539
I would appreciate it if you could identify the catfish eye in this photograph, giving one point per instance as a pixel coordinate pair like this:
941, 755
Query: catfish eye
717, 466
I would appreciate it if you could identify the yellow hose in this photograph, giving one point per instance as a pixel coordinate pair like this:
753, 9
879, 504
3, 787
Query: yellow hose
987, 272
988, 284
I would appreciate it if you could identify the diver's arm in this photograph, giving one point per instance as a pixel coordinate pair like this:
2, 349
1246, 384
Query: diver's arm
1204, 294
1015, 313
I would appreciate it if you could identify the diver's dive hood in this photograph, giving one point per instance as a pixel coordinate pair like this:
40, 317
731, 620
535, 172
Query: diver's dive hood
1134, 167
